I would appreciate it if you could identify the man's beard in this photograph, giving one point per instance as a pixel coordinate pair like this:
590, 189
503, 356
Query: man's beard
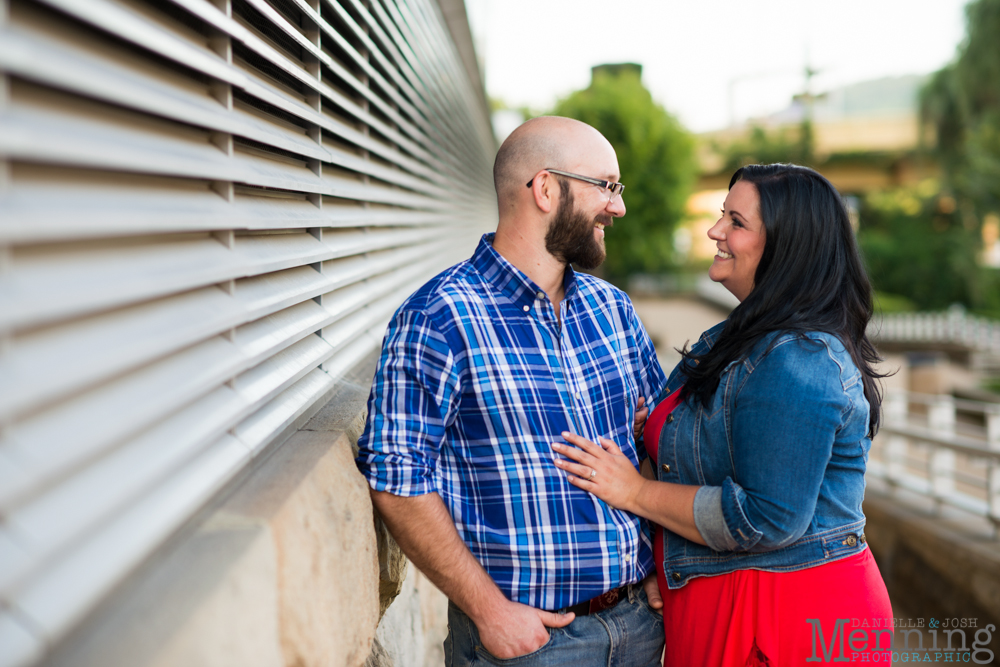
571, 235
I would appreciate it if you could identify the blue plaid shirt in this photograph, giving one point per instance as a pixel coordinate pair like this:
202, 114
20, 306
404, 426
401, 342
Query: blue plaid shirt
477, 378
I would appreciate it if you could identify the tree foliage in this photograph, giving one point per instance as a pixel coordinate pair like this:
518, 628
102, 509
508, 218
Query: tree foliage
657, 167
924, 243
962, 102
916, 246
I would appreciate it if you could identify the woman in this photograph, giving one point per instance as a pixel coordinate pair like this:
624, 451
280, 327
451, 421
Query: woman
760, 447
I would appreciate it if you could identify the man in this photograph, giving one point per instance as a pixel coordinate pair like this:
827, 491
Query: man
481, 371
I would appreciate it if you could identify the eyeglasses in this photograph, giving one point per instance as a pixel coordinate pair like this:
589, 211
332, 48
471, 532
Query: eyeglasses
615, 190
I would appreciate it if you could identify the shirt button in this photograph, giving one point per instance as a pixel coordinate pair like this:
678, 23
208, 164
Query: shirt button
676, 576
665, 467
577, 394
527, 308
541, 295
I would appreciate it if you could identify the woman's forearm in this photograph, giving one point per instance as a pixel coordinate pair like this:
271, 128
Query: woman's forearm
603, 470
669, 505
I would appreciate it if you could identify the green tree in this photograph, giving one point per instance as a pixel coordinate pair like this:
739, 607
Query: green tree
916, 247
924, 243
962, 102
656, 157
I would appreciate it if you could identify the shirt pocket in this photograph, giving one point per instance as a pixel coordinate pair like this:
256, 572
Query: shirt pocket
612, 395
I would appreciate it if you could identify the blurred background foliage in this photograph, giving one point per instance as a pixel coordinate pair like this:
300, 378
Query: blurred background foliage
923, 243
943, 245
962, 102
656, 157
922, 232
763, 146
920, 254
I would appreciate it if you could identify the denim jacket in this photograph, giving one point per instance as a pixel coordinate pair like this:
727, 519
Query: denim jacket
779, 455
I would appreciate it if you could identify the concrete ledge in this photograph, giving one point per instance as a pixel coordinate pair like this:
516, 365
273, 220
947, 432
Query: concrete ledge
940, 567
289, 567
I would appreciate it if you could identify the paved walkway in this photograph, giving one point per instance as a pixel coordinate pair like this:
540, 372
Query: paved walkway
674, 322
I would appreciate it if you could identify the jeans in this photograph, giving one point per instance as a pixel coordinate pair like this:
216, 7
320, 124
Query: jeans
630, 634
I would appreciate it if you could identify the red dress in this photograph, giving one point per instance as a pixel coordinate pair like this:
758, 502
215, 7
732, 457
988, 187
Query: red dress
751, 618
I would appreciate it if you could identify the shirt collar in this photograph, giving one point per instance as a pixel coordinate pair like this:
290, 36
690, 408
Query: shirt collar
508, 279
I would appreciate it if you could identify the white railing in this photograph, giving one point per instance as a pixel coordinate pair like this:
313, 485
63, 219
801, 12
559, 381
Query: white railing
941, 447
953, 326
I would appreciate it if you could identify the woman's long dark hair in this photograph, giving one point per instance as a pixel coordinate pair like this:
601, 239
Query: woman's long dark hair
810, 278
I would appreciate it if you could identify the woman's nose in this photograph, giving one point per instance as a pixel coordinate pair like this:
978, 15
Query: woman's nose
717, 231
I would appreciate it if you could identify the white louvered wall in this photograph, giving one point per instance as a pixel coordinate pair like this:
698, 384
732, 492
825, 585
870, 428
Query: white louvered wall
208, 212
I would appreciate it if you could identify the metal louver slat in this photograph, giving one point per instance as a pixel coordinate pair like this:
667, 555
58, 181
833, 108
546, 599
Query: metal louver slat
157, 268
376, 76
48, 444
410, 137
209, 210
55, 442
78, 211
73, 509
189, 109
108, 143
120, 20
404, 47
60, 360
59, 597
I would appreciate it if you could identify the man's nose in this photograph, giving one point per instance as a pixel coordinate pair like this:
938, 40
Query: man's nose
617, 207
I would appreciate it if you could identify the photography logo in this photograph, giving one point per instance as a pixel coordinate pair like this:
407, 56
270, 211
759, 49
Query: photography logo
870, 640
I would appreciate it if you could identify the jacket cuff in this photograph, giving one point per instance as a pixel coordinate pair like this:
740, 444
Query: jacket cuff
740, 529
709, 520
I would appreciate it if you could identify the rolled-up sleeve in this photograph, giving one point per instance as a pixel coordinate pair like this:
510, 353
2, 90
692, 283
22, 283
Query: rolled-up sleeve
783, 428
713, 517
411, 404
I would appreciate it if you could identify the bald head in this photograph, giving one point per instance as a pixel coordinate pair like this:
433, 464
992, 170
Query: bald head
547, 141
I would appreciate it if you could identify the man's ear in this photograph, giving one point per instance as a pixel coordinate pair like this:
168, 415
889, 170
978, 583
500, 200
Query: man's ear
545, 190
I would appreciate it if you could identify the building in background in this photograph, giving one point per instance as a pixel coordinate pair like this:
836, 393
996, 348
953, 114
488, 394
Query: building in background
865, 137
209, 209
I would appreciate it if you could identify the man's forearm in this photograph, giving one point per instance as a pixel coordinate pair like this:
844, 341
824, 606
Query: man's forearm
424, 529
426, 532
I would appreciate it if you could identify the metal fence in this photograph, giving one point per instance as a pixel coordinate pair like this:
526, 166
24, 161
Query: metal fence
208, 212
943, 448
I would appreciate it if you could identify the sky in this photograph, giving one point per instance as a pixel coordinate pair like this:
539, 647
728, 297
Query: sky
709, 62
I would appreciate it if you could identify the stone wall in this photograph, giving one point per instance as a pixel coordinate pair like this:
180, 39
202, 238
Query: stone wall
289, 568
935, 567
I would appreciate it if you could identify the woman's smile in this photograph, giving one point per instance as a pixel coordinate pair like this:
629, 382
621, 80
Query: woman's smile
740, 231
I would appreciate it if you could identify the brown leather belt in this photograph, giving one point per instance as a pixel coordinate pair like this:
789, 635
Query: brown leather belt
603, 601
